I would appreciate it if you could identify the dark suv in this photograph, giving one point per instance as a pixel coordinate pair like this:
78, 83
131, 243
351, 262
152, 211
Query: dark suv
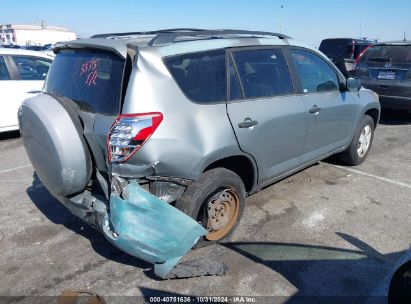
344, 52
386, 69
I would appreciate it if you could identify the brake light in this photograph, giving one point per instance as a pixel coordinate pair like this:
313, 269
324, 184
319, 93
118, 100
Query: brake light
129, 133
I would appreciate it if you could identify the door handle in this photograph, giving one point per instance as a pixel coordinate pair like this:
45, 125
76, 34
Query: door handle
34, 92
315, 109
247, 123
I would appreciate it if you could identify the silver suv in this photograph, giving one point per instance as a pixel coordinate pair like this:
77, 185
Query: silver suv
200, 119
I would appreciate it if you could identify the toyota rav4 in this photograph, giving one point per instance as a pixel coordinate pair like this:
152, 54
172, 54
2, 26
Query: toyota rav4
195, 119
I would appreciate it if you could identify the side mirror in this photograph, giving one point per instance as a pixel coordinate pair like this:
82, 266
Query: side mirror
353, 84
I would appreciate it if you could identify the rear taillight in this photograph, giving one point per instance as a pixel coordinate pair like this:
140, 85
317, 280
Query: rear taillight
129, 133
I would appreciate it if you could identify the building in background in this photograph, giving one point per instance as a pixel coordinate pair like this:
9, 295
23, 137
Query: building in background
33, 34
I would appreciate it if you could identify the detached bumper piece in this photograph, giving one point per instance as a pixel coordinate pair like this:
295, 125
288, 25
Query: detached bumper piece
148, 228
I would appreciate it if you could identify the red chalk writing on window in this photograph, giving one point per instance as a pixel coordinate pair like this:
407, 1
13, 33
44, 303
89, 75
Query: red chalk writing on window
90, 69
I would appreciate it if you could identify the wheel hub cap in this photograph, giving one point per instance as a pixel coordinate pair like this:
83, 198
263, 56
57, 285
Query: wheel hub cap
364, 141
222, 214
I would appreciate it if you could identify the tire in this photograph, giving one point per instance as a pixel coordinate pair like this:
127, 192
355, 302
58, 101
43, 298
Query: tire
358, 150
53, 139
218, 192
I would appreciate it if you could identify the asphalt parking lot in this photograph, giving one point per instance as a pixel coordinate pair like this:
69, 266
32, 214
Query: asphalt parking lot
328, 230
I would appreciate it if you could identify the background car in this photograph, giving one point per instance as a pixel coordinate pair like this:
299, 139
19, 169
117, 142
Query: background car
22, 74
344, 51
33, 47
385, 68
11, 46
400, 286
48, 49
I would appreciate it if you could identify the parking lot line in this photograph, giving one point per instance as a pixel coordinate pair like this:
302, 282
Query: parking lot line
387, 180
14, 169
392, 127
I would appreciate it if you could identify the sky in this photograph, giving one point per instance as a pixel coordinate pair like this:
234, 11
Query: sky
309, 21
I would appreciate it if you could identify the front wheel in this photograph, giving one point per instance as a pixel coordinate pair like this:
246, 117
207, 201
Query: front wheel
360, 145
216, 201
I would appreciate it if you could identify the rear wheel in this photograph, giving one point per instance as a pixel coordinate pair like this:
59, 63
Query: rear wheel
216, 201
360, 145
220, 214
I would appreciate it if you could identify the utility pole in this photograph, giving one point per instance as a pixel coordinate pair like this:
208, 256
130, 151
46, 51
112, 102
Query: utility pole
42, 20
281, 18
404, 36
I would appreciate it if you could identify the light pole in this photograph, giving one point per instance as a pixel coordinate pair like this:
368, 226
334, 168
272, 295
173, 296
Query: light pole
281, 18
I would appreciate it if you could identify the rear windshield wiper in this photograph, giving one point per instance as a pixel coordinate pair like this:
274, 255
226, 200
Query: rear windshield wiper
379, 59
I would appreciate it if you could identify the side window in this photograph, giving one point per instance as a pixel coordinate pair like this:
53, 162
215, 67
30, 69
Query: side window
263, 73
201, 76
32, 68
4, 73
314, 73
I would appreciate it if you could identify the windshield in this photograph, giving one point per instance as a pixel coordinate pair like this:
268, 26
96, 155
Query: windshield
384, 53
91, 78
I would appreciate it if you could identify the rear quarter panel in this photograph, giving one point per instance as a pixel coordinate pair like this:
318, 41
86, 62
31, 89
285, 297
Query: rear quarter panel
191, 135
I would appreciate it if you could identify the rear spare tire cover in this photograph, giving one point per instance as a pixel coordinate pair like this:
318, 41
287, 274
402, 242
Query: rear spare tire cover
55, 145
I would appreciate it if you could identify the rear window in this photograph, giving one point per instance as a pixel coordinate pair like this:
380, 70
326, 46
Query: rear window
201, 76
385, 53
92, 79
337, 48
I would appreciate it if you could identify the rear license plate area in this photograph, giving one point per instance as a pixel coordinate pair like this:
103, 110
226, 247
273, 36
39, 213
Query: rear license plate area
386, 75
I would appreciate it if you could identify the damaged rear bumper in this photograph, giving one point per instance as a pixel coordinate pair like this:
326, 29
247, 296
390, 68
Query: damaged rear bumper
140, 224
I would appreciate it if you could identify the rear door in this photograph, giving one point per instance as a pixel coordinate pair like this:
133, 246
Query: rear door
8, 86
269, 120
93, 80
331, 113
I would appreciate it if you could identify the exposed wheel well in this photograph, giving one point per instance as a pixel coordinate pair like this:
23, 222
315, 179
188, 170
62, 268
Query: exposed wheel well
374, 114
240, 165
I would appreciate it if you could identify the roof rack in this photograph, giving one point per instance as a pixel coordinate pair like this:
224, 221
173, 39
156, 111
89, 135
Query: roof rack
122, 35
165, 38
168, 36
